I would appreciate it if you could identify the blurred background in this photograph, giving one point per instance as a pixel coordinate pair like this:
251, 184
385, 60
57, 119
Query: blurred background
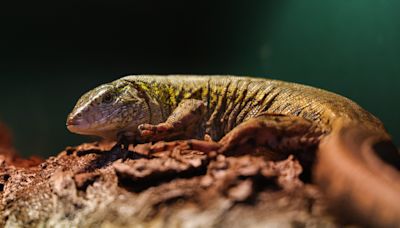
52, 52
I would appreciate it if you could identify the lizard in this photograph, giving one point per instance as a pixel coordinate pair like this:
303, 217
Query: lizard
357, 166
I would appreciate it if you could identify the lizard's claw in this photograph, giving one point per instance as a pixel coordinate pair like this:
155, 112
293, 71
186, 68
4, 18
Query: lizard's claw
151, 132
208, 138
146, 130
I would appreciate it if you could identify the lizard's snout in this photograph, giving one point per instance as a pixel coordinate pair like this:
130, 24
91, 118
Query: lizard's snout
72, 122
75, 123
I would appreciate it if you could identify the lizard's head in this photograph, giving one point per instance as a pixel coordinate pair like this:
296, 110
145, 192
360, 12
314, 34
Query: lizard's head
108, 109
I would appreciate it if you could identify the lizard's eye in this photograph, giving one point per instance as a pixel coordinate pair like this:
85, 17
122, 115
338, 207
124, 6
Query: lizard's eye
108, 98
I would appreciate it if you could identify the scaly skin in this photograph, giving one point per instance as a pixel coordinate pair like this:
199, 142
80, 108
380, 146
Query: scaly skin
151, 99
151, 108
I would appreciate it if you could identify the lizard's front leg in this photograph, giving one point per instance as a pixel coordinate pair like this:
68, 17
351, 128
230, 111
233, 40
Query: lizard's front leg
277, 132
183, 122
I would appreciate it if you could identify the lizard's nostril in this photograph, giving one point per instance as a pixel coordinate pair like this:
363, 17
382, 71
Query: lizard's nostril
78, 125
75, 120
71, 122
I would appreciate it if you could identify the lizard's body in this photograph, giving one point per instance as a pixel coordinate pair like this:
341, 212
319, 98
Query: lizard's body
232, 100
228, 102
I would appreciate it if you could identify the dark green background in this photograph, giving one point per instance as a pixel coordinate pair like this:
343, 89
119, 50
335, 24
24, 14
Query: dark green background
52, 52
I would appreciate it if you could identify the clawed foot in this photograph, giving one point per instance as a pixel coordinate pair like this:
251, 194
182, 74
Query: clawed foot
158, 132
278, 132
181, 124
147, 130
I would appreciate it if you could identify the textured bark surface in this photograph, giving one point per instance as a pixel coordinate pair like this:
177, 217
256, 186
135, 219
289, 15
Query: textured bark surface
175, 184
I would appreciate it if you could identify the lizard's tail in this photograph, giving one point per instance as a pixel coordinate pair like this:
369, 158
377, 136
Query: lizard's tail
358, 170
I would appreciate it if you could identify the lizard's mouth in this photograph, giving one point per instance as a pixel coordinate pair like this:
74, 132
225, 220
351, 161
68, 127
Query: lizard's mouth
95, 121
77, 125
73, 122
82, 127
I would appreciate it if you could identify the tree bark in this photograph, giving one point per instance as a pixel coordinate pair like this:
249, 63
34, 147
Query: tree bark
167, 184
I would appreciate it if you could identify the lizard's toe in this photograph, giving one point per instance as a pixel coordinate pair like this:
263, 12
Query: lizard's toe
146, 133
143, 127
